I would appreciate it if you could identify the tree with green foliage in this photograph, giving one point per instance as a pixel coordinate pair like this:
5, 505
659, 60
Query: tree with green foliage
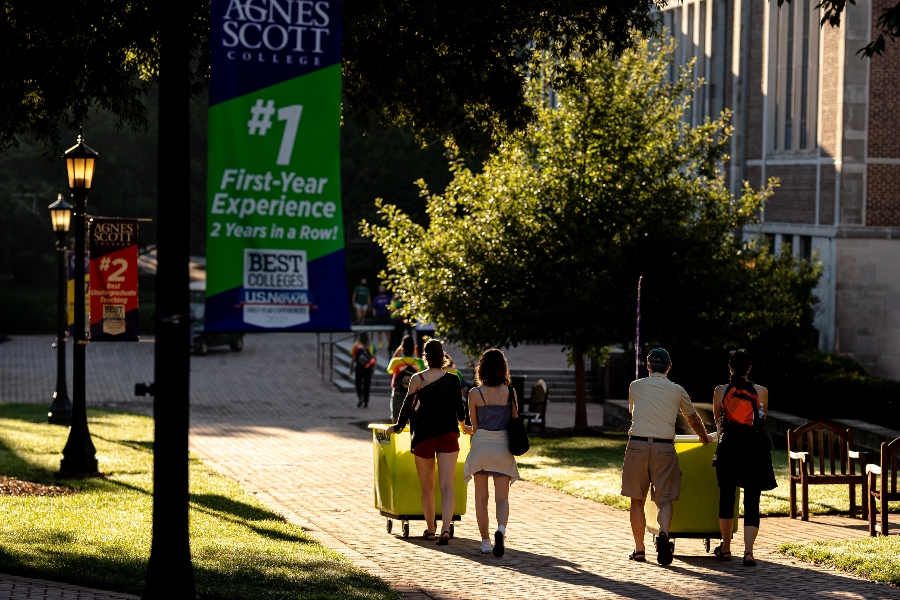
458, 69
547, 243
455, 68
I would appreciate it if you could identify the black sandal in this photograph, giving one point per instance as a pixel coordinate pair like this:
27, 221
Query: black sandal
444, 539
638, 556
428, 535
722, 554
751, 562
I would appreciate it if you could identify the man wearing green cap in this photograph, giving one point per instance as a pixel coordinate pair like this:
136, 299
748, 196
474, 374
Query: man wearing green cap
650, 459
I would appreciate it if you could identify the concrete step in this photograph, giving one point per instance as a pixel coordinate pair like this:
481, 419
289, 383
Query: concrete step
560, 382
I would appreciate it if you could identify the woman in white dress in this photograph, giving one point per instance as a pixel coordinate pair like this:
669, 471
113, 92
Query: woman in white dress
491, 405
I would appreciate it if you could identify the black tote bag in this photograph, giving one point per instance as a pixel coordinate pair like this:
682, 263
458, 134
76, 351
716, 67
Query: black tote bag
518, 435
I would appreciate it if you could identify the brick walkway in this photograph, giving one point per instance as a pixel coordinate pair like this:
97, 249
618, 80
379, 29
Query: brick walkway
25, 588
264, 418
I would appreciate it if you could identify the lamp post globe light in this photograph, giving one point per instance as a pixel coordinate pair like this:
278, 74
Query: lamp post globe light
61, 409
79, 455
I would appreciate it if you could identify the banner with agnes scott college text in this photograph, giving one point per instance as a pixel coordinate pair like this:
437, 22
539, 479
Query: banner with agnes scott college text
275, 240
114, 280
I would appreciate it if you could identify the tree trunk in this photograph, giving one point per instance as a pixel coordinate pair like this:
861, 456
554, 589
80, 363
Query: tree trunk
581, 422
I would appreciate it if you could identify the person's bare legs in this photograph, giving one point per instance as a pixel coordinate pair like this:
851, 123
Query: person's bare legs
664, 518
481, 505
638, 523
446, 472
750, 534
425, 469
725, 527
501, 498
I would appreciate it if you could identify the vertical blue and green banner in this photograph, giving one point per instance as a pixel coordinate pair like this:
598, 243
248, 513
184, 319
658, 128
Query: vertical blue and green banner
275, 239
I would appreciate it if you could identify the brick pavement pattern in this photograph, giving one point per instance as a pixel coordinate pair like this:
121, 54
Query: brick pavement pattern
264, 418
26, 588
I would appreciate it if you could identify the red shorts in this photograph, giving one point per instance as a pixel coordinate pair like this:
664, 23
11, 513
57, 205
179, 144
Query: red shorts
448, 442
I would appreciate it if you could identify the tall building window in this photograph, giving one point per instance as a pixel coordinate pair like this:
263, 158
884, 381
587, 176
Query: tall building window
698, 27
793, 76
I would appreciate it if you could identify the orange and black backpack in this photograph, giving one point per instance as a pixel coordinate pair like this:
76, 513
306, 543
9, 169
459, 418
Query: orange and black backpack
740, 405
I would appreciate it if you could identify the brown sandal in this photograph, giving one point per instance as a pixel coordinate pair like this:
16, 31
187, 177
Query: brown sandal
722, 554
751, 562
444, 539
428, 535
638, 556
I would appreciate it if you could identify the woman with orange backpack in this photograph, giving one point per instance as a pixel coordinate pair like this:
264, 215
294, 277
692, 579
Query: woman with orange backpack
743, 458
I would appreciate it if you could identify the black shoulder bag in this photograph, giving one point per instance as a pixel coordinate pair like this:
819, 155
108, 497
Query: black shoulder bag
518, 435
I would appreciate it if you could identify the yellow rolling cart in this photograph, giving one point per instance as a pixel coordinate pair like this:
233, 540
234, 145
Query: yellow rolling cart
397, 491
696, 512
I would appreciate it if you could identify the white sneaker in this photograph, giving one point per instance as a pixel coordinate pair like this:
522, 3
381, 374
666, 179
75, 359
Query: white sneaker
486, 547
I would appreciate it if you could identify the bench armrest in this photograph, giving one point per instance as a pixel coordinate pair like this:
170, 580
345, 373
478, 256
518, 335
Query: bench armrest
853, 453
873, 469
798, 455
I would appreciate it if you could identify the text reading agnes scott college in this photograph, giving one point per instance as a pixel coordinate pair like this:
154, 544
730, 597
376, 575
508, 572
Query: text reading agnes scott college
274, 234
276, 31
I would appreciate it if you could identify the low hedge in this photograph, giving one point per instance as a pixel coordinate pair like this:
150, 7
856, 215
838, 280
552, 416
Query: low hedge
30, 312
24, 311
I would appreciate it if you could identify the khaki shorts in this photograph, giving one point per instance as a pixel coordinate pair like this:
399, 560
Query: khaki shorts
651, 463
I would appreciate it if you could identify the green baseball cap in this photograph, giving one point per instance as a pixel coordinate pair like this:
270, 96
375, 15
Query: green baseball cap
659, 355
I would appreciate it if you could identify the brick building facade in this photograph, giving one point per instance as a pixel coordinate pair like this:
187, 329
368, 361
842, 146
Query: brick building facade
808, 110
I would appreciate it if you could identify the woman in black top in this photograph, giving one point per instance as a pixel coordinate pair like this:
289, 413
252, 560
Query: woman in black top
743, 458
435, 411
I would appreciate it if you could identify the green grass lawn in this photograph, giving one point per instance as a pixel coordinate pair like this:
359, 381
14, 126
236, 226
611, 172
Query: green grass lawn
100, 537
877, 558
591, 467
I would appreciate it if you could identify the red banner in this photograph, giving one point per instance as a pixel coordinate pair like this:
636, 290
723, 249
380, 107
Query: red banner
114, 280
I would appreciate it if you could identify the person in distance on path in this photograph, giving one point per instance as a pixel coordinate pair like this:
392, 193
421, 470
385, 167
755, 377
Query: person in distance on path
381, 310
650, 458
361, 298
362, 360
402, 367
436, 409
743, 458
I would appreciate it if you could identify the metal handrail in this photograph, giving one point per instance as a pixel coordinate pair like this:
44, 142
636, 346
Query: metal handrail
331, 343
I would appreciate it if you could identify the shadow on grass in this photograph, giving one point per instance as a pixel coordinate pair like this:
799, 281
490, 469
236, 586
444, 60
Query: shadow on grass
238, 575
593, 452
139, 445
14, 465
241, 513
242, 510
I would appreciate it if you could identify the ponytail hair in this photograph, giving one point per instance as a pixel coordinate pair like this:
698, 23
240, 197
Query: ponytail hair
434, 354
739, 361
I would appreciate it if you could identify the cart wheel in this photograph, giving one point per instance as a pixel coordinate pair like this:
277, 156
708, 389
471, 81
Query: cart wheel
706, 544
390, 525
405, 529
672, 547
451, 531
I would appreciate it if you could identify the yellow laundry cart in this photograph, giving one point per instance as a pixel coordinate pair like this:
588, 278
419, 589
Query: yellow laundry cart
696, 512
397, 491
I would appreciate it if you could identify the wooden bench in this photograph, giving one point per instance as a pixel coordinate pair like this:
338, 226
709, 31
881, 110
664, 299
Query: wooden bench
886, 492
822, 453
536, 414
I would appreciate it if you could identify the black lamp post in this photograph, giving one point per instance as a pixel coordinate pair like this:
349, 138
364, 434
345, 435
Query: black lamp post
61, 409
79, 455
